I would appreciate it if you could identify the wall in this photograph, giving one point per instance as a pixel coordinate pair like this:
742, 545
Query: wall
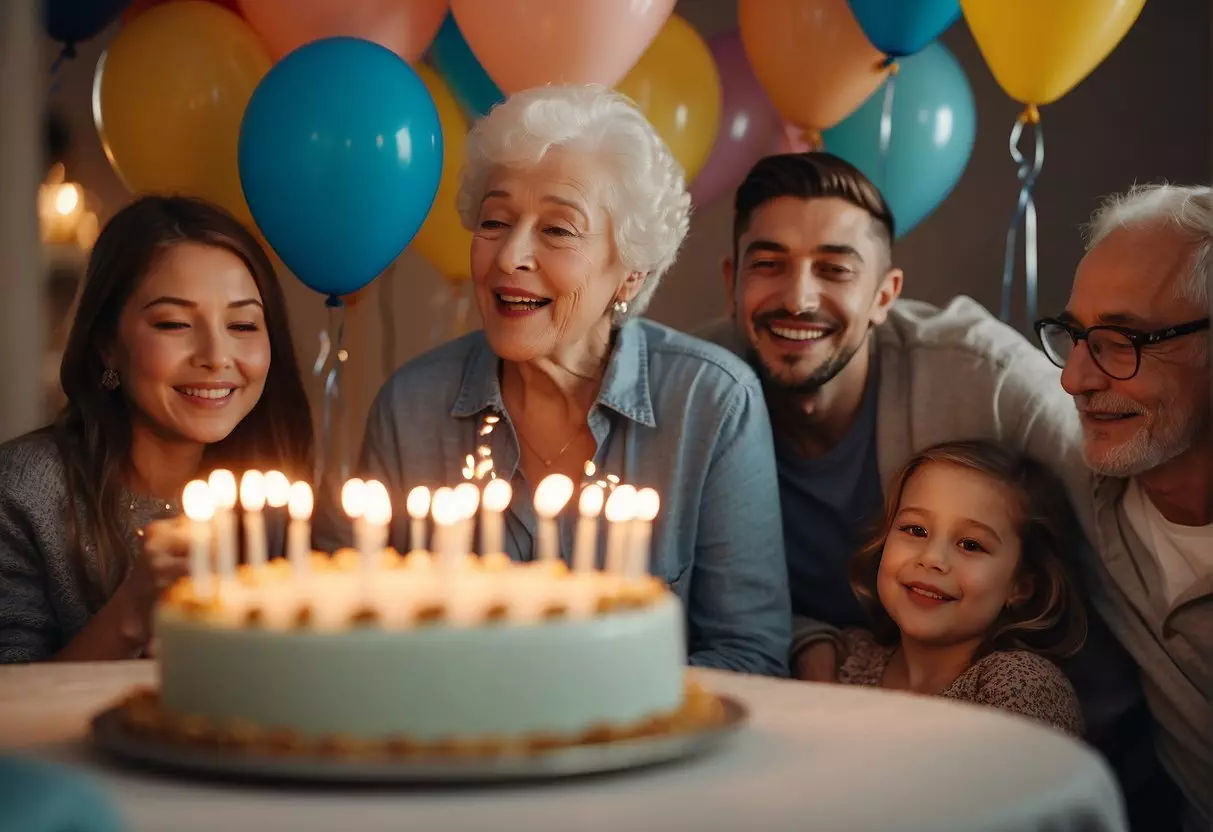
1144, 115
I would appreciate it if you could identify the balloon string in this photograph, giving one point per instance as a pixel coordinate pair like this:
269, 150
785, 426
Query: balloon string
66, 54
331, 341
812, 139
1025, 210
886, 125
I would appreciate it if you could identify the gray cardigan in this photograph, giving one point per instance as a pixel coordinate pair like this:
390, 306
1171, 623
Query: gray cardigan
44, 589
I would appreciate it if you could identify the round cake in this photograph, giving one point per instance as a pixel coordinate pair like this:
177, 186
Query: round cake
491, 656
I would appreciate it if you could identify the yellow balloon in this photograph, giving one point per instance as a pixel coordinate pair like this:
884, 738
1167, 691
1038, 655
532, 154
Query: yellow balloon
168, 98
1039, 50
676, 85
442, 239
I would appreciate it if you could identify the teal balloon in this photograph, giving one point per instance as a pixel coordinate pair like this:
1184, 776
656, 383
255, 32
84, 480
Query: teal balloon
452, 58
934, 125
340, 156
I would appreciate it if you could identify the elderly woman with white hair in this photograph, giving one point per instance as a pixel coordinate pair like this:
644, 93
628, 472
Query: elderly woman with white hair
577, 209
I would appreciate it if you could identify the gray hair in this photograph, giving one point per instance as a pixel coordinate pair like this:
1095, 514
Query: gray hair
1188, 209
648, 201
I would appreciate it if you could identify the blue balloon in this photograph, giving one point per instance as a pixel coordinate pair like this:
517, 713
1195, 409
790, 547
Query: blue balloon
340, 157
903, 27
934, 125
73, 21
452, 58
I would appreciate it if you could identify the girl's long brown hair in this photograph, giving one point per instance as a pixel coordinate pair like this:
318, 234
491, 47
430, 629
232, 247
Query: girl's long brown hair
1052, 621
93, 432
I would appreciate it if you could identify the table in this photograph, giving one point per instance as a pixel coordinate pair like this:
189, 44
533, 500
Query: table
819, 757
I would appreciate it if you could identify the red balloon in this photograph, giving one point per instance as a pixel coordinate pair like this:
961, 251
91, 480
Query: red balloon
138, 7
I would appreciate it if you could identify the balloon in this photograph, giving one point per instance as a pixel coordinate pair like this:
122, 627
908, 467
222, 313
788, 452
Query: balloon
464, 76
168, 97
442, 239
340, 157
138, 7
1039, 50
404, 26
676, 86
529, 43
73, 21
811, 57
902, 27
748, 122
934, 124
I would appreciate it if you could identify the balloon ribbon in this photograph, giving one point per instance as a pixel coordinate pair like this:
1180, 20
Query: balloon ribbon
331, 340
1025, 210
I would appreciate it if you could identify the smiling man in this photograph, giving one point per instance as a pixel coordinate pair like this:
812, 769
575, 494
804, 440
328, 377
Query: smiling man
1133, 343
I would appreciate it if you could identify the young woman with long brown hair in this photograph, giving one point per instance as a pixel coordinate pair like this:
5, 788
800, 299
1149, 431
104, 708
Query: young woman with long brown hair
179, 360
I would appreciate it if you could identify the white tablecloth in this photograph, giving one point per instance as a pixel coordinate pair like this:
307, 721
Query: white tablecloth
812, 757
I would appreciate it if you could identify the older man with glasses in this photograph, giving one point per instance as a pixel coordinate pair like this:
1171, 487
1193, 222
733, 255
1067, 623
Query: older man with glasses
1133, 345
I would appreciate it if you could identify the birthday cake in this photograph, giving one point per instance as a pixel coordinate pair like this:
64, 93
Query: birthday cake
428, 653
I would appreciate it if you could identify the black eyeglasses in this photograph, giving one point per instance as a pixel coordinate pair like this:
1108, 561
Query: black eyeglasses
1116, 350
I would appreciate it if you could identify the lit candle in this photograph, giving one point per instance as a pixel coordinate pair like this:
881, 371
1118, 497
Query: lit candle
199, 507
469, 500
445, 509
418, 506
252, 499
497, 496
585, 547
551, 497
277, 489
377, 517
353, 502
648, 503
299, 532
223, 489
620, 509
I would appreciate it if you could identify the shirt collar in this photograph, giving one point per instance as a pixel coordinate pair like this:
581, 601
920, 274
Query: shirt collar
625, 386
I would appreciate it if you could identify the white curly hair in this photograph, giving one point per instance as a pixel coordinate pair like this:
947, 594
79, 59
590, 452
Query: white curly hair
647, 199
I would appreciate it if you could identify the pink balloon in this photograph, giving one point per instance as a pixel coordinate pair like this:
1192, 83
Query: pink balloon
404, 26
748, 122
529, 43
790, 139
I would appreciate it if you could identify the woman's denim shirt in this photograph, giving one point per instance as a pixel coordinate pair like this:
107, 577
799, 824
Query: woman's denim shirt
675, 413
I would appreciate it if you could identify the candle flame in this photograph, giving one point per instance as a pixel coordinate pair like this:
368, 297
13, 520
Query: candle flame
353, 497
621, 505
223, 488
445, 507
417, 504
648, 503
497, 495
469, 498
378, 503
590, 468
492, 419
198, 502
252, 491
300, 501
484, 450
277, 489
590, 503
552, 495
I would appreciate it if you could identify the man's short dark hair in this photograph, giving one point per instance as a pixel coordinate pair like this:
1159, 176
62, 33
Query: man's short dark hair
813, 175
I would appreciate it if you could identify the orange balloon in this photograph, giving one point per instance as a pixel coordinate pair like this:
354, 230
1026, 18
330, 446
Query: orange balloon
529, 43
404, 26
811, 57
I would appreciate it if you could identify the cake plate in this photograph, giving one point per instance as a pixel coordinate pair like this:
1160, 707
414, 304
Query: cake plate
111, 734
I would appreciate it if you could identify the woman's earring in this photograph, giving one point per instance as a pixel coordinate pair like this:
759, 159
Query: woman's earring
109, 379
621, 308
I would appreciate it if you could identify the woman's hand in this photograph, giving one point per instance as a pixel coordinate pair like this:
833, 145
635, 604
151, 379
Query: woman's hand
163, 559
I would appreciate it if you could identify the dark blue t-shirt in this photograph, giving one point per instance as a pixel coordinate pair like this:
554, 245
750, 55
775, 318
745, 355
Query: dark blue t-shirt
830, 505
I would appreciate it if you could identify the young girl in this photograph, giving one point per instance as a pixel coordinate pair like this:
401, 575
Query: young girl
179, 360
967, 587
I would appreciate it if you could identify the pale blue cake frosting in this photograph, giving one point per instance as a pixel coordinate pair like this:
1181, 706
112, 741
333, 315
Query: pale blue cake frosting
507, 679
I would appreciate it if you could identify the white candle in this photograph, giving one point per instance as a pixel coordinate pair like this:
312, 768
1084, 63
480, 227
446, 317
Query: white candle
585, 547
199, 507
223, 489
648, 503
252, 500
446, 512
496, 498
469, 500
378, 518
551, 497
353, 503
299, 532
418, 507
620, 509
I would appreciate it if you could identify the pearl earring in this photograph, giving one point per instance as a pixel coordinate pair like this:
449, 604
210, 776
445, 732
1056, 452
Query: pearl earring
621, 308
